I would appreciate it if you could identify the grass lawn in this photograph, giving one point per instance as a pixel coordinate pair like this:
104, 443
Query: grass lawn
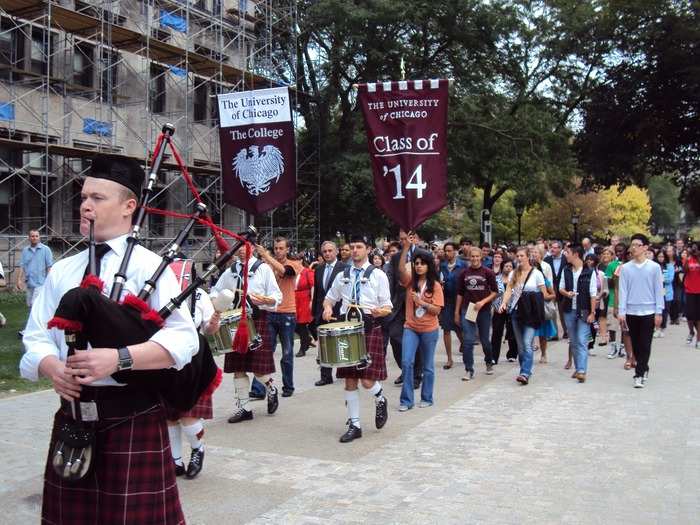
11, 349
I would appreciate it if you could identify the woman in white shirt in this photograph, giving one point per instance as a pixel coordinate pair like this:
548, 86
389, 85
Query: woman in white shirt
525, 278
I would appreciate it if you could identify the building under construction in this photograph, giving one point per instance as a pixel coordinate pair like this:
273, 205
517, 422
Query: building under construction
85, 76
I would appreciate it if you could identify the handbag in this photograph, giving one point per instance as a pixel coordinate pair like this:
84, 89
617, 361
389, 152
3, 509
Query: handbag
550, 310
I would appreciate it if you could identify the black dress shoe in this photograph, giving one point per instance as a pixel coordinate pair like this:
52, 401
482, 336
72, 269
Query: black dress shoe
255, 395
301, 353
398, 380
272, 400
353, 432
322, 382
179, 470
287, 393
196, 463
241, 415
381, 414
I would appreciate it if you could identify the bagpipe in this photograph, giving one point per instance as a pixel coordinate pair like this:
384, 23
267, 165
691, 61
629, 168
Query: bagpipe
88, 316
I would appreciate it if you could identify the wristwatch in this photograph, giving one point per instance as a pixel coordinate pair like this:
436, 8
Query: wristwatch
125, 360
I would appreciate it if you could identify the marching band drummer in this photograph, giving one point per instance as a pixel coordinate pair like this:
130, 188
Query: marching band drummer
265, 296
207, 320
133, 479
362, 285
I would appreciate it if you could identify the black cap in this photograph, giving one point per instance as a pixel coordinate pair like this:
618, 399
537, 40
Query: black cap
360, 238
124, 171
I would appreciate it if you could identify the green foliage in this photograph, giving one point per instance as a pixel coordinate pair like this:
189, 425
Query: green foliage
665, 208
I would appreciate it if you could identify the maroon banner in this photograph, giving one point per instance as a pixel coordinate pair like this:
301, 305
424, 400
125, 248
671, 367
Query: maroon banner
258, 154
406, 125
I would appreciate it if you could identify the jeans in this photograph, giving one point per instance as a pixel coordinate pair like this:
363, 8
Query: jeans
523, 335
283, 325
579, 330
425, 344
483, 322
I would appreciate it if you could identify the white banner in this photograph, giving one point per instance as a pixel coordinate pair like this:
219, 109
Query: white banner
262, 106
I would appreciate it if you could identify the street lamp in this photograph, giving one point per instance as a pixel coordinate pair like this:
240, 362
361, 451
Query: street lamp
519, 210
575, 220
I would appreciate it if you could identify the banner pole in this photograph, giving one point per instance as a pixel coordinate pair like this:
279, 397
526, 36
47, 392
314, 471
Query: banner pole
450, 81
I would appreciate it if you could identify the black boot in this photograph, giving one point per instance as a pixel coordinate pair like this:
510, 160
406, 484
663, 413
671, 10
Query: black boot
352, 432
272, 400
196, 463
382, 413
239, 415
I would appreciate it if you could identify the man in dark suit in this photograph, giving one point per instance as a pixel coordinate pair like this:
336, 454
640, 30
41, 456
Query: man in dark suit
393, 326
324, 275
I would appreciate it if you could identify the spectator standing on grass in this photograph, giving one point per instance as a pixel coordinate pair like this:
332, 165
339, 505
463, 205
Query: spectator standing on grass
3, 321
35, 264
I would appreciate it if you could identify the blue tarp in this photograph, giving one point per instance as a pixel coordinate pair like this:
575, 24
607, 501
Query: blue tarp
7, 111
168, 19
178, 71
96, 127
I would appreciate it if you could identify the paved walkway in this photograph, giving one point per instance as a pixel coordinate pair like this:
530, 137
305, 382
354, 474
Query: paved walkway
489, 451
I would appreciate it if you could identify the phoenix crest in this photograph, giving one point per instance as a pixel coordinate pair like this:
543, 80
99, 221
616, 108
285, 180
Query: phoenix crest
258, 171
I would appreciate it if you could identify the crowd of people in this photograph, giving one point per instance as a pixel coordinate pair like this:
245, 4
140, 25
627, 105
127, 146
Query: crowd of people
618, 295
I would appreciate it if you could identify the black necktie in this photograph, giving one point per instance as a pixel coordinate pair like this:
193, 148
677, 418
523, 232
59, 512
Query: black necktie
100, 251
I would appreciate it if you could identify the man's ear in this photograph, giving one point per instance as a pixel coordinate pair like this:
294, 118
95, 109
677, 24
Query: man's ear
130, 206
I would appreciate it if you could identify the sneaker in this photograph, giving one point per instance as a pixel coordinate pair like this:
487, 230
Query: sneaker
613, 351
425, 404
645, 378
381, 413
404, 408
489, 369
471, 374
523, 380
196, 463
511, 360
241, 414
656, 334
592, 352
621, 352
689, 339
662, 333
638, 382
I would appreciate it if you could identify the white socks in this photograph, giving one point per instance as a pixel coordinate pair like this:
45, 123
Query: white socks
376, 391
175, 443
194, 433
242, 385
267, 381
352, 402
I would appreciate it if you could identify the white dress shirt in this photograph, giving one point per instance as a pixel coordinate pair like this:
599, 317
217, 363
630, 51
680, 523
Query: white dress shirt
203, 308
374, 292
262, 282
178, 335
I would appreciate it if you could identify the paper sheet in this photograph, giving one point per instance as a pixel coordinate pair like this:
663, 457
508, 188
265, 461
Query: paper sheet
471, 313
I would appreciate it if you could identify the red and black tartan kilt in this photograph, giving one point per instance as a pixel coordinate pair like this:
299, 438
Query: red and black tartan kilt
374, 340
203, 409
133, 479
260, 362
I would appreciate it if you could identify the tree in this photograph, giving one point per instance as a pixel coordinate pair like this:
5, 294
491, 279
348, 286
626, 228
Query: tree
642, 119
665, 208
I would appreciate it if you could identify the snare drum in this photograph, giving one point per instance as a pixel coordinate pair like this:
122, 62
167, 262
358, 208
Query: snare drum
342, 344
230, 319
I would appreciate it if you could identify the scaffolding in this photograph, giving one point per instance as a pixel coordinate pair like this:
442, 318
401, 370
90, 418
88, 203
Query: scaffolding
85, 76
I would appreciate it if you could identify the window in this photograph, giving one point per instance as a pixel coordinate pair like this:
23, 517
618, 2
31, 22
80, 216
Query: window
201, 100
83, 66
157, 89
11, 48
39, 52
5, 204
110, 70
